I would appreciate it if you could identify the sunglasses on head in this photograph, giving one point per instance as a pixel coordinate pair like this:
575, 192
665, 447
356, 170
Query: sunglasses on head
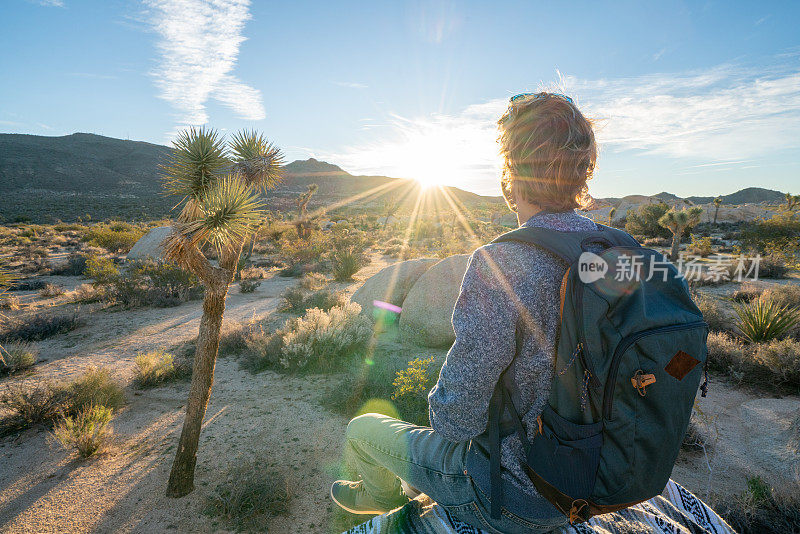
540, 95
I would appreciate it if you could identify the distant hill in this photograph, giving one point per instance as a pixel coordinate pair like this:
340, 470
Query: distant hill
49, 178
77, 162
749, 195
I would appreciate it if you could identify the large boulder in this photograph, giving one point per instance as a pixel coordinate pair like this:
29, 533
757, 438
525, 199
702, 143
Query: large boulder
150, 245
391, 284
427, 313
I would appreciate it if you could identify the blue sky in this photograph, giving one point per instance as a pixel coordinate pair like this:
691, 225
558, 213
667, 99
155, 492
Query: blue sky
695, 98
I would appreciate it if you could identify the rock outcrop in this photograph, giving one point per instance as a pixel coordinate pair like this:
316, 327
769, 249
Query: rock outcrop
150, 245
427, 313
391, 284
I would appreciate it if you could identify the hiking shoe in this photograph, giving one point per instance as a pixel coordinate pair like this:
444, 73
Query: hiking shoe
352, 497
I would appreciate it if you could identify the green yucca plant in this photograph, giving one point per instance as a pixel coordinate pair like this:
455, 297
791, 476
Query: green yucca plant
219, 185
764, 319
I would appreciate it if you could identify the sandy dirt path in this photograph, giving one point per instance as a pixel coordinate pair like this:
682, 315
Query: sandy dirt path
268, 417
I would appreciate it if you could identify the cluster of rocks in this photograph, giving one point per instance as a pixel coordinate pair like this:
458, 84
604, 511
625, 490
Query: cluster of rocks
425, 289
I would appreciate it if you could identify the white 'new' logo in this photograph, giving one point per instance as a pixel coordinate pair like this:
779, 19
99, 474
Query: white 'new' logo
591, 267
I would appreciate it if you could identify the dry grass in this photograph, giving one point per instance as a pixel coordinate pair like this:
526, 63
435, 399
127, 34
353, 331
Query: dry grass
51, 290
17, 357
39, 326
762, 509
158, 367
249, 496
772, 366
46, 402
88, 431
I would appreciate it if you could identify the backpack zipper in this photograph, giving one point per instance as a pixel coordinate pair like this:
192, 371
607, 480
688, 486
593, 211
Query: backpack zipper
624, 345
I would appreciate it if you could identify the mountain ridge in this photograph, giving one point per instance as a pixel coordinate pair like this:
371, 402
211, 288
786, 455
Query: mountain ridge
104, 173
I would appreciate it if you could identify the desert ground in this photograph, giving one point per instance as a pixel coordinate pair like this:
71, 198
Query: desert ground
277, 421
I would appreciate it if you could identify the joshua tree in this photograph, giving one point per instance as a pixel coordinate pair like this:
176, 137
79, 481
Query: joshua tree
6, 279
219, 184
302, 222
677, 221
611, 214
717, 203
792, 201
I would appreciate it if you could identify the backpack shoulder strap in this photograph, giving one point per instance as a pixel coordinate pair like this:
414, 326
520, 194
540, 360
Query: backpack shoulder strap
568, 245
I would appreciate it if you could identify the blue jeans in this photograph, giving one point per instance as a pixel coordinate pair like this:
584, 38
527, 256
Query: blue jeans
380, 449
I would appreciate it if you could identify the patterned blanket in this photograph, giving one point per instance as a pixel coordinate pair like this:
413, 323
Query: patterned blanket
675, 511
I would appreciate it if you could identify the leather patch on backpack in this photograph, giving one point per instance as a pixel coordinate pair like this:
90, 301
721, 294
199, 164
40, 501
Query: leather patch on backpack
680, 365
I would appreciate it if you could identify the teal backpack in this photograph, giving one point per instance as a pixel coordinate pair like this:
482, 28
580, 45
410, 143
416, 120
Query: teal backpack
630, 353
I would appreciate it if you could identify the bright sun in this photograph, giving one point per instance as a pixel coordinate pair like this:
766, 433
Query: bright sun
430, 159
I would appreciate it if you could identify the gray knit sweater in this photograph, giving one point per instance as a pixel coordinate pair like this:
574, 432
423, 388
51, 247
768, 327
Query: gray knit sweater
509, 288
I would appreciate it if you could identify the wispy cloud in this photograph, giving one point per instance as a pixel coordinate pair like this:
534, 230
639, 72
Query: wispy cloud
199, 47
48, 3
721, 116
351, 85
724, 113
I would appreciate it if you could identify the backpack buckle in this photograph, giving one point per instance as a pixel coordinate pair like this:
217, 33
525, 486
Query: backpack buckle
640, 381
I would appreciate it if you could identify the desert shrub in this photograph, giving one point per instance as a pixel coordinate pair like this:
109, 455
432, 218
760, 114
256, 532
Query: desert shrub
248, 286
347, 262
94, 388
772, 266
700, 246
782, 359
87, 293
40, 326
295, 300
369, 387
393, 251
762, 509
16, 357
644, 221
151, 283
322, 340
784, 295
249, 497
10, 302
114, 236
264, 350
28, 406
747, 292
772, 366
764, 319
102, 269
157, 367
713, 313
304, 255
87, 431
651, 242
29, 284
411, 387
313, 282
779, 235
252, 273
44, 403
75, 266
51, 290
